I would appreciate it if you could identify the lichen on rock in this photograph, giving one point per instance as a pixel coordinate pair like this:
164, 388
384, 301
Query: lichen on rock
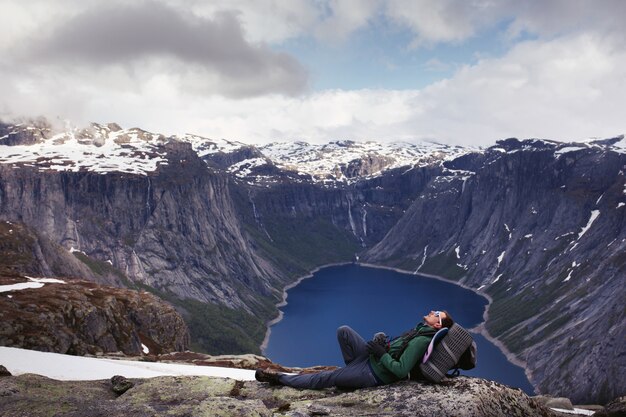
210, 396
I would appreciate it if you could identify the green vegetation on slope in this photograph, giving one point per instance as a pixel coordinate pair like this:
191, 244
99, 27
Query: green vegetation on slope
299, 245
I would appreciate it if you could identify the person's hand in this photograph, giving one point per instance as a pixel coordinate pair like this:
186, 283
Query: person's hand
375, 349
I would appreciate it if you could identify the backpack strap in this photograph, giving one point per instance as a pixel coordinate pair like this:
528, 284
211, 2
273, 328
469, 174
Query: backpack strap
434, 341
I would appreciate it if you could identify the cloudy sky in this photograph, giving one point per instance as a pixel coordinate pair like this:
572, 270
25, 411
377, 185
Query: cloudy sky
454, 71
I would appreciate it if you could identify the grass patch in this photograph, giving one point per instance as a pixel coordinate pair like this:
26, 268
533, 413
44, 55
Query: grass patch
103, 268
216, 329
506, 312
298, 245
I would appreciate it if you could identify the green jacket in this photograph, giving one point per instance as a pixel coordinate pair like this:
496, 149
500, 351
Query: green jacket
389, 370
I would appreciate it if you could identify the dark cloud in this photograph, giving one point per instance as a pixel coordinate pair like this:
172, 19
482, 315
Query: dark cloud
126, 35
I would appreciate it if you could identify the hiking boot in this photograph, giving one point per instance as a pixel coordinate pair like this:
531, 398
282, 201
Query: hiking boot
266, 375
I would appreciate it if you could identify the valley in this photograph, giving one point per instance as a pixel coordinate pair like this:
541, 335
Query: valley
219, 228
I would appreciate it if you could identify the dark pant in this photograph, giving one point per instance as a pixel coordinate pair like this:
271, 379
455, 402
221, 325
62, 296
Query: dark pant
356, 374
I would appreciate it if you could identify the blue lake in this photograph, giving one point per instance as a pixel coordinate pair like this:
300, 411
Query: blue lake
371, 300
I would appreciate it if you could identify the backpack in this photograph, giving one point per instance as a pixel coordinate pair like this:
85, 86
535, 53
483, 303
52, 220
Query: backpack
451, 348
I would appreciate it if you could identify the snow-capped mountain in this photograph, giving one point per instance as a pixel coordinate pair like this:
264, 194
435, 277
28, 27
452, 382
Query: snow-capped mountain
109, 148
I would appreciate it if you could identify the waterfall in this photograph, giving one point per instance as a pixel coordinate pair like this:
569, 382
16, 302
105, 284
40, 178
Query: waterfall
364, 222
148, 195
352, 224
423, 260
257, 217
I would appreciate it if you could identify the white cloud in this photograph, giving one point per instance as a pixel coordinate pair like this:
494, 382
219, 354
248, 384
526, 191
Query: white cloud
270, 21
559, 17
564, 89
343, 17
567, 83
151, 39
434, 21
569, 88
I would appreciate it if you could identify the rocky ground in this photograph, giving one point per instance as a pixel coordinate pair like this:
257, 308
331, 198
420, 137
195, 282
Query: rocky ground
34, 395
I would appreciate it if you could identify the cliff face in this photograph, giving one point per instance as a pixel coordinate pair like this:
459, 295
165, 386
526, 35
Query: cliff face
26, 252
304, 225
175, 230
541, 231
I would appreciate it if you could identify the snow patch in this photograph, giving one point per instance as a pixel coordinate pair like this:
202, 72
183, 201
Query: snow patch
73, 249
456, 250
621, 205
500, 258
569, 276
577, 411
600, 198
80, 368
145, 349
592, 218
423, 259
245, 167
568, 149
497, 279
33, 283
46, 280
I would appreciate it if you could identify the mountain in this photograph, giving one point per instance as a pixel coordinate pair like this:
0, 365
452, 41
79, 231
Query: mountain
540, 228
219, 228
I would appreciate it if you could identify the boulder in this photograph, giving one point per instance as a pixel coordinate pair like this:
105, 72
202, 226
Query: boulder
120, 384
554, 402
4, 371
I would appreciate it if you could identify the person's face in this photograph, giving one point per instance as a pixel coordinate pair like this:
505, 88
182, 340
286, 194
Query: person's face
434, 318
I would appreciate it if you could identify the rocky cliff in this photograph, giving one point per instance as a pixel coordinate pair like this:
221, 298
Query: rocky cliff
540, 228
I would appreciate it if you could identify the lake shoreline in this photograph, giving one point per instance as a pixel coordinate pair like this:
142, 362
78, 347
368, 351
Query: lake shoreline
283, 302
480, 328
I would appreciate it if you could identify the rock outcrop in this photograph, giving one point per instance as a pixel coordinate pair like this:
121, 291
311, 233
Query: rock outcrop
207, 396
81, 317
